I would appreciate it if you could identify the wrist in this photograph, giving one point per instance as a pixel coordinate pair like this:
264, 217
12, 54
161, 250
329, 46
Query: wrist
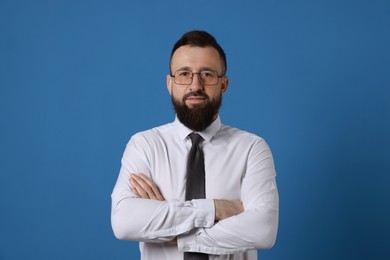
217, 216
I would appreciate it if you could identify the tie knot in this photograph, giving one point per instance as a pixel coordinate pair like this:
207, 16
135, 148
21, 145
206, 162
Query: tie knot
195, 138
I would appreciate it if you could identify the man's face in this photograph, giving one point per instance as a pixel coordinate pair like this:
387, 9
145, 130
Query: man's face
196, 104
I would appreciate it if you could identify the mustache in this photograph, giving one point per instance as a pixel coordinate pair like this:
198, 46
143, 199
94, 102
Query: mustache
195, 94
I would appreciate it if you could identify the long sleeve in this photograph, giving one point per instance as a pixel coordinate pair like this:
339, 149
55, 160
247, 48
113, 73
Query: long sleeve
256, 227
145, 220
239, 166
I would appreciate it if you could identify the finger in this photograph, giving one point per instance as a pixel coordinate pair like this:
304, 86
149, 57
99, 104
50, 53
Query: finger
135, 187
134, 190
153, 186
139, 188
141, 193
147, 189
160, 197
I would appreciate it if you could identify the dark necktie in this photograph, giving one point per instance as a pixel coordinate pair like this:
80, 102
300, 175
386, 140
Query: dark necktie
195, 185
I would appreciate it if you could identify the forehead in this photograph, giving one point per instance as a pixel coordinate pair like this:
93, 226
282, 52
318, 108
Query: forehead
196, 58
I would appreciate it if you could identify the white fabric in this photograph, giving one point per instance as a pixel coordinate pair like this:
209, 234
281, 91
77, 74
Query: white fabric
239, 165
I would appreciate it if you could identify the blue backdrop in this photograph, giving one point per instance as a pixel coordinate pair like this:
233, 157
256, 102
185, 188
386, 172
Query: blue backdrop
78, 78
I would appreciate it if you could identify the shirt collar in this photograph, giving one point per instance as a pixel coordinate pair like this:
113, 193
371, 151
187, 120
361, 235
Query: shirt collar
207, 134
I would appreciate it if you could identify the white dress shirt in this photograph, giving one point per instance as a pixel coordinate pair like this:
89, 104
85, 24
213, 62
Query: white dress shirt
238, 165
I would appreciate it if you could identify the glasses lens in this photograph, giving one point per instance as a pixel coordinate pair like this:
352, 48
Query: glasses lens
209, 77
183, 77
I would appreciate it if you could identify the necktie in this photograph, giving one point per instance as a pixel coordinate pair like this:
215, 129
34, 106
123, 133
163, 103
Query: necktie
195, 185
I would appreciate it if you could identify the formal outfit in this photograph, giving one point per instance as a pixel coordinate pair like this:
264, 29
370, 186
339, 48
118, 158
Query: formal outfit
238, 166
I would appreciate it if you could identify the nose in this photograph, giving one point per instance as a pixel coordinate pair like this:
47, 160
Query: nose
196, 82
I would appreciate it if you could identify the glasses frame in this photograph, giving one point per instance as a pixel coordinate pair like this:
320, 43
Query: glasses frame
199, 77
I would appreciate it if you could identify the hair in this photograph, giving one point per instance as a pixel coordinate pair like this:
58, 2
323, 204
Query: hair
199, 39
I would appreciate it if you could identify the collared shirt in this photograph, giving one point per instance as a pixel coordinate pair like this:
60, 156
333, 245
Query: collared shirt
238, 166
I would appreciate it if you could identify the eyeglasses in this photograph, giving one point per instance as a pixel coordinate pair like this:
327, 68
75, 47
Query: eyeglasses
206, 77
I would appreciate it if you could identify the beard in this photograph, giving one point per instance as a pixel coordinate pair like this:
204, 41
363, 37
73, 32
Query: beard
199, 117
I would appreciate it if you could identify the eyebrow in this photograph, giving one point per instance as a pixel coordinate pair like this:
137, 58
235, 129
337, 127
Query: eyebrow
184, 68
201, 69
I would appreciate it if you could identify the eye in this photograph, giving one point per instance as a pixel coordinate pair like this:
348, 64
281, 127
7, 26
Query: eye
207, 74
183, 73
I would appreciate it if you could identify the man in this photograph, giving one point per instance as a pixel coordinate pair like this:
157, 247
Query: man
152, 201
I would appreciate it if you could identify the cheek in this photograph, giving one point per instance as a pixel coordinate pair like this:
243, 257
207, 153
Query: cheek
214, 94
177, 94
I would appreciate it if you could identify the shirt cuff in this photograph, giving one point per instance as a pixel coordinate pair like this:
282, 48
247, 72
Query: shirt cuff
199, 241
187, 242
206, 212
205, 219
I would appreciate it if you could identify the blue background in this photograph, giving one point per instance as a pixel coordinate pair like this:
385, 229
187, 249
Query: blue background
78, 78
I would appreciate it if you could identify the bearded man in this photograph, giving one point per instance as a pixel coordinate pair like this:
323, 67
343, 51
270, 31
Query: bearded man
195, 188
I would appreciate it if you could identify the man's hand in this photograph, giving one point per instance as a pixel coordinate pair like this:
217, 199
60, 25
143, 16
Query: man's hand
143, 187
227, 208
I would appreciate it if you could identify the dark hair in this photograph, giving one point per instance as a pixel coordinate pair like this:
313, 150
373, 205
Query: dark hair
199, 39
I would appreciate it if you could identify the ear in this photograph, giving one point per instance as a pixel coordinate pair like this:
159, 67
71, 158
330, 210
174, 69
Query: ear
224, 84
169, 84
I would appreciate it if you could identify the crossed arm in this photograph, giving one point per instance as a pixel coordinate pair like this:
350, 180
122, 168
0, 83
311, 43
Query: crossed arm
140, 212
143, 187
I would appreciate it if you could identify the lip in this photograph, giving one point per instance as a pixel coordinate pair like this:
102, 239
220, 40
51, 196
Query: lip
196, 99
